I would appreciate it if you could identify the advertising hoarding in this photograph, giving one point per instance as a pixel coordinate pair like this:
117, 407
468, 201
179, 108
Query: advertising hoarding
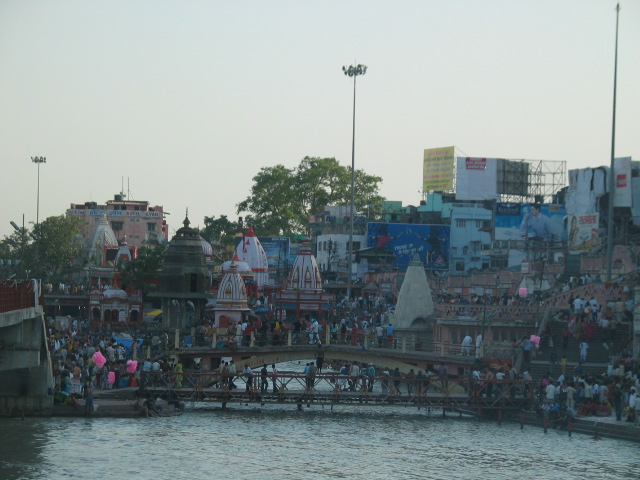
437, 169
404, 240
476, 178
583, 232
523, 221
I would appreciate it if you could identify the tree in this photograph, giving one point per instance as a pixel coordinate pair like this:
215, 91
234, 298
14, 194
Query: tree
142, 272
48, 251
220, 233
17, 253
282, 199
58, 245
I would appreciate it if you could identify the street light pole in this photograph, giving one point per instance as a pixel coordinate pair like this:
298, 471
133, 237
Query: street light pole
38, 161
352, 71
612, 181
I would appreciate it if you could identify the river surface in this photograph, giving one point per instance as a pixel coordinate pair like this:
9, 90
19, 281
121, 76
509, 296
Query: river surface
275, 442
313, 444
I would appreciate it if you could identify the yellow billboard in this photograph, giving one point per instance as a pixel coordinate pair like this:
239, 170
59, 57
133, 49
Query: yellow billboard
437, 169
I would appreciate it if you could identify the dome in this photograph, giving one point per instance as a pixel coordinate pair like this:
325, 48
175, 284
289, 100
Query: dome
305, 274
206, 247
232, 293
251, 251
242, 268
114, 294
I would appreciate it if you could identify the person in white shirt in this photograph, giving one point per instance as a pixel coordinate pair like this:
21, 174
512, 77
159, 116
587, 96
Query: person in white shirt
466, 345
478, 345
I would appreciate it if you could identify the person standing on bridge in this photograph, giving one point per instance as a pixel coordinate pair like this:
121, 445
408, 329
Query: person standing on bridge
466, 345
311, 375
274, 378
313, 331
390, 332
478, 345
320, 357
264, 376
380, 334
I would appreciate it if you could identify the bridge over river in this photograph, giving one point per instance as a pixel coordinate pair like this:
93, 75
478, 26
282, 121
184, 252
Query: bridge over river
389, 358
332, 389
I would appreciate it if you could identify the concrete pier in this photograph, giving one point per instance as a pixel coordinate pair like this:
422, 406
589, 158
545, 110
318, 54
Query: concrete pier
26, 377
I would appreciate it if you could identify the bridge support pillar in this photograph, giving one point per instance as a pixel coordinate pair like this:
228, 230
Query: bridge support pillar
289, 338
176, 339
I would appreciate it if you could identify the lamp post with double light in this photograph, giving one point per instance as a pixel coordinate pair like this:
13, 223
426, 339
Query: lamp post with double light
352, 71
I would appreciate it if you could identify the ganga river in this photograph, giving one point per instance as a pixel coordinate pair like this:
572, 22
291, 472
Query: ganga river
280, 443
274, 444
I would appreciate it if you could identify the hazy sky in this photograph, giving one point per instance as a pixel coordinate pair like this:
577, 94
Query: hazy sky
187, 100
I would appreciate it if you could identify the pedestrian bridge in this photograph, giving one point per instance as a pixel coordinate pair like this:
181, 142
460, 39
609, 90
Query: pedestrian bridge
332, 389
385, 358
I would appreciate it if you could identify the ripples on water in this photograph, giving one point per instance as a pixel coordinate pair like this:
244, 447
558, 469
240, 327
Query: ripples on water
314, 444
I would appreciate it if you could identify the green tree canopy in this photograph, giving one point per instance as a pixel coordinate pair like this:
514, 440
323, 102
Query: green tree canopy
58, 245
220, 233
282, 199
142, 272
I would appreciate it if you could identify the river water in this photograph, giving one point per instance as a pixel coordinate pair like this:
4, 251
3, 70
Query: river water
313, 444
276, 442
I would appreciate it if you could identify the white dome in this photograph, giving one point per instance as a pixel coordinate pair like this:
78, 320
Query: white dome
114, 293
206, 248
242, 268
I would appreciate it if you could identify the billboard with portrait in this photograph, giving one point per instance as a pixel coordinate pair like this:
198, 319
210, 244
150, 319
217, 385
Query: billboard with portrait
524, 221
404, 240
583, 232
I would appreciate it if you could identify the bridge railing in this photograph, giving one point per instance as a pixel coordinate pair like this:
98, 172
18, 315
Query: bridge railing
18, 295
368, 340
497, 313
335, 388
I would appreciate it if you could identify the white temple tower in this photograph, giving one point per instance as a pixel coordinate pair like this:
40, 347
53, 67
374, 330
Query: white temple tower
250, 250
415, 303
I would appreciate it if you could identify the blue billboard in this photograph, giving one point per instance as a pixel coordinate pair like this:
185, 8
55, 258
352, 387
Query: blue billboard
524, 221
278, 251
404, 240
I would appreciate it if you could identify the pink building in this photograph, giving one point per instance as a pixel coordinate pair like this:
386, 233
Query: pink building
136, 219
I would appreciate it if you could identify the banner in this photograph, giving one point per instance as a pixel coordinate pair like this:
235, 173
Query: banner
622, 181
584, 232
524, 221
476, 179
437, 169
404, 240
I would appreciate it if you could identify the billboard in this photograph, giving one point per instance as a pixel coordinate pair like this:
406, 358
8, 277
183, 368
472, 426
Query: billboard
622, 182
583, 232
437, 169
476, 178
523, 221
277, 249
404, 240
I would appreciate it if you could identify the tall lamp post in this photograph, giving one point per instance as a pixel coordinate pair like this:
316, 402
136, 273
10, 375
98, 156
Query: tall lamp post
352, 71
38, 161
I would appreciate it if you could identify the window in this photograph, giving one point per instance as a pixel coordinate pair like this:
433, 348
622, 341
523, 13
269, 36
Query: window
479, 224
499, 261
356, 246
461, 223
117, 226
459, 266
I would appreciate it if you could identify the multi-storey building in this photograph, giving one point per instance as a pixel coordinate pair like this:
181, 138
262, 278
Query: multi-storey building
136, 220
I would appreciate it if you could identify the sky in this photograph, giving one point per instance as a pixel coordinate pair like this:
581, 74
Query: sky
181, 103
